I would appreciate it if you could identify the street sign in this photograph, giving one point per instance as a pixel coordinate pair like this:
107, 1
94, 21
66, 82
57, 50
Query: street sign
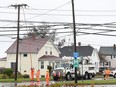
76, 55
75, 63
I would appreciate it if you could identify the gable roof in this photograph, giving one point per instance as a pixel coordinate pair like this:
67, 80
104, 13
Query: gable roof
3, 59
50, 58
83, 51
107, 50
27, 45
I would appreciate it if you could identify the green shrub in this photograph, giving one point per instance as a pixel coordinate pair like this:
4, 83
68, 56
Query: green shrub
19, 75
3, 76
25, 76
8, 72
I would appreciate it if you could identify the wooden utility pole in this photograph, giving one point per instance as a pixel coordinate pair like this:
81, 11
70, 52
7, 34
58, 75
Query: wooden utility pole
74, 33
18, 29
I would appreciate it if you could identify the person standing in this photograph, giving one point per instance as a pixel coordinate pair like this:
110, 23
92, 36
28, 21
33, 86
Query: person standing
107, 73
47, 77
32, 74
38, 75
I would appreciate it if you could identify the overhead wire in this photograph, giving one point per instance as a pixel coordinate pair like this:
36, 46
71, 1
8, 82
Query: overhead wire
90, 33
50, 10
56, 14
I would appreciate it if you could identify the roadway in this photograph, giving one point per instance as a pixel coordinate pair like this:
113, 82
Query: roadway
13, 84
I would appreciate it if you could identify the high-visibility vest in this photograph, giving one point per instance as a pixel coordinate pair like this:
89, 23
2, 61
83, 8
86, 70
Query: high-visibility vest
107, 71
47, 75
32, 71
59, 74
38, 74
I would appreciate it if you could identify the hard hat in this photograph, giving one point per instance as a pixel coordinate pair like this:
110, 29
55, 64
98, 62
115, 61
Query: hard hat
47, 70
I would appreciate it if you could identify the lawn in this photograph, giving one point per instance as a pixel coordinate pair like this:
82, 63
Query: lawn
87, 82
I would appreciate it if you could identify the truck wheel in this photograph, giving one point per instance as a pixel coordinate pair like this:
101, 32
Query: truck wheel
68, 76
114, 75
93, 75
90, 76
86, 75
55, 78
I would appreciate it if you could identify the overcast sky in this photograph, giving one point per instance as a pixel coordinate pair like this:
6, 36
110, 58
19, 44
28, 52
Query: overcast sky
86, 11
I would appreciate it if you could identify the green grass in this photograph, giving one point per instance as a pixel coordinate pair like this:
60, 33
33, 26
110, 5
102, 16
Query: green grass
89, 82
80, 82
100, 82
20, 80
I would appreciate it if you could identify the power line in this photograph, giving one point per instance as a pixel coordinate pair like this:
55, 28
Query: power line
50, 10
40, 14
75, 10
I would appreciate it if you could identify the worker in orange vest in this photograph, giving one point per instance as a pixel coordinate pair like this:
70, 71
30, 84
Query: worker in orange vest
47, 77
32, 74
59, 76
107, 73
38, 75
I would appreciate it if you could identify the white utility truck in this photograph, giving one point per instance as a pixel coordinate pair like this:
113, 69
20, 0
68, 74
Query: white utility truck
85, 70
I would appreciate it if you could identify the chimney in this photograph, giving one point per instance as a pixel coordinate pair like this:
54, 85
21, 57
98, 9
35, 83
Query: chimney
79, 44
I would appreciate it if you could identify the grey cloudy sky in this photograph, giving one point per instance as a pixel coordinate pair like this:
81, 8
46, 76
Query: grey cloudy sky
86, 11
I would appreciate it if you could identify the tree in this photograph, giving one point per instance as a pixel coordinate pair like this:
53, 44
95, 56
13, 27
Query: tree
42, 31
102, 57
61, 43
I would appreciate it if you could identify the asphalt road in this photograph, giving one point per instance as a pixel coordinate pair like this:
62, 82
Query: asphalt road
51, 82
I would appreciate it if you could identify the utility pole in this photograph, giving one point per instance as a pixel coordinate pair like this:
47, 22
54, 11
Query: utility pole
74, 33
18, 29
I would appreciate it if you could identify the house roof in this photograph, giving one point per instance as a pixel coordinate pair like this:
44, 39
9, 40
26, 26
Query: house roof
82, 50
107, 50
27, 45
50, 58
3, 59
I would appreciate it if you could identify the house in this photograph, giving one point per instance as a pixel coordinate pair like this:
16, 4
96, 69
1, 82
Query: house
38, 53
84, 52
2, 63
109, 52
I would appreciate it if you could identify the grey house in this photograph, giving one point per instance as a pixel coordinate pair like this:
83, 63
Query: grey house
109, 54
84, 51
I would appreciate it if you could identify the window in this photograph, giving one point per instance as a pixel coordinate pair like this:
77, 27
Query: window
43, 76
13, 66
50, 50
46, 51
25, 55
42, 64
111, 56
106, 63
91, 68
114, 56
109, 63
